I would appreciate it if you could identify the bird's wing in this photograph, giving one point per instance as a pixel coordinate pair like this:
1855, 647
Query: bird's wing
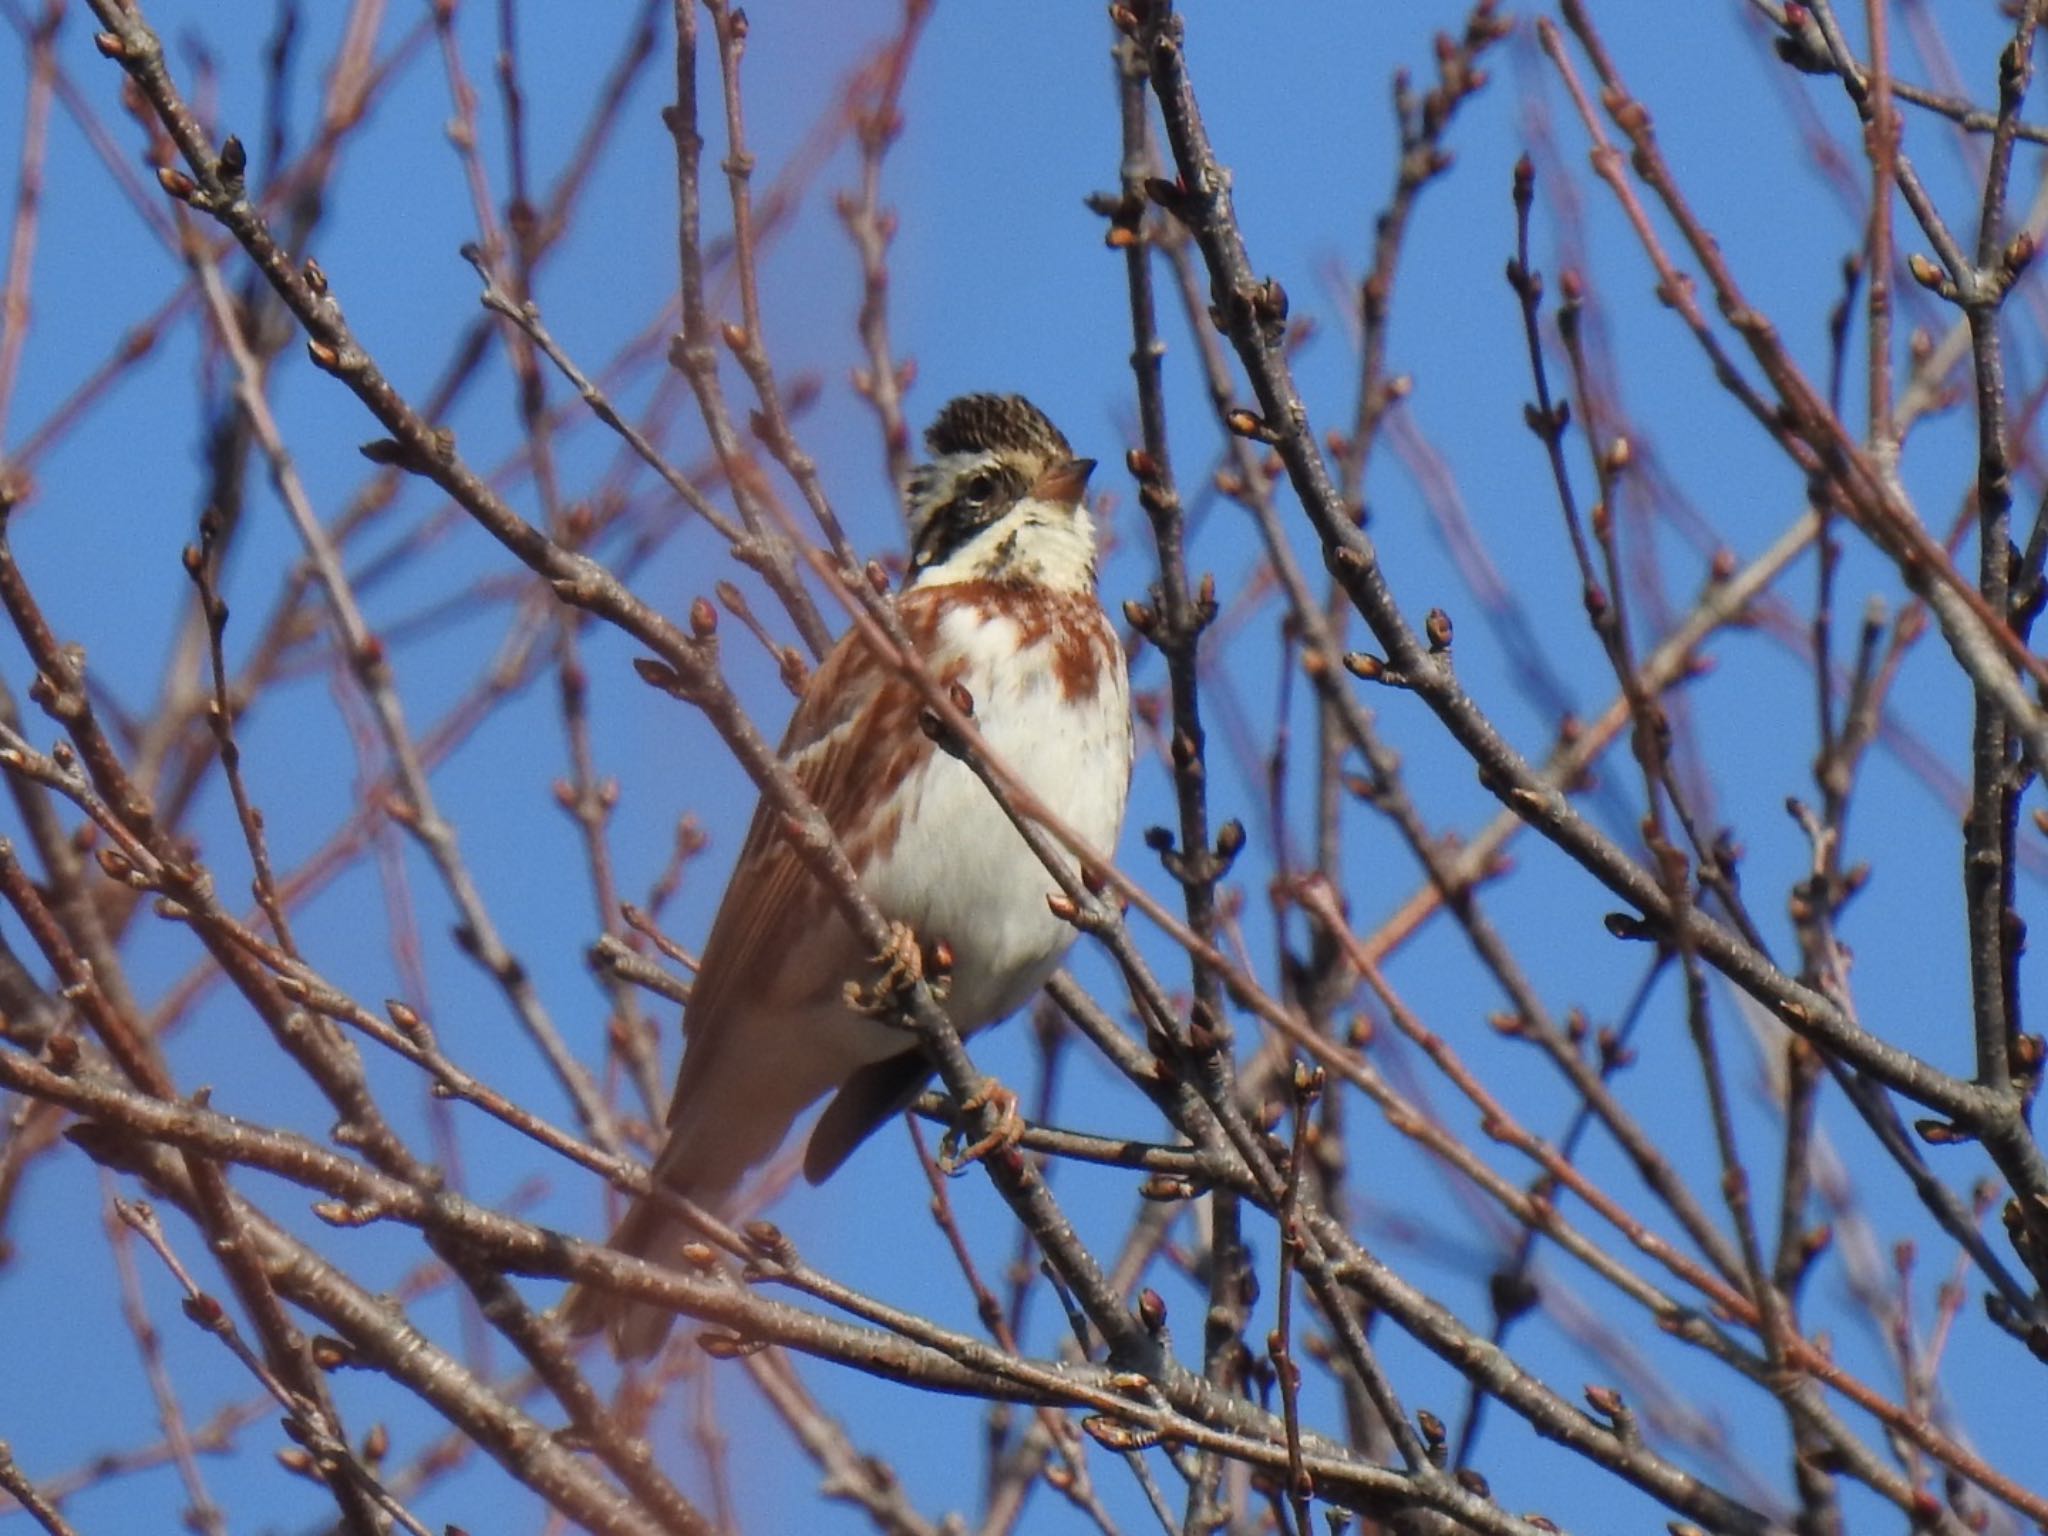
778, 941
868, 1100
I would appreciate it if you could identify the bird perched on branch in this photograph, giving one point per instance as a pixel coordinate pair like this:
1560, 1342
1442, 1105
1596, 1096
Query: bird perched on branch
1000, 601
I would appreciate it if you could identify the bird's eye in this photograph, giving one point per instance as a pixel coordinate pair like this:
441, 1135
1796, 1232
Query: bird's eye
981, 487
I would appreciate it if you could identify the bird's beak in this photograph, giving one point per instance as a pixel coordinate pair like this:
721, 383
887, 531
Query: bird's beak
1063, 483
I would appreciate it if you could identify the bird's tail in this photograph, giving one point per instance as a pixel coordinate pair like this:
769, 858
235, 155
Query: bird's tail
636, 1328
731, 1112
706, 1159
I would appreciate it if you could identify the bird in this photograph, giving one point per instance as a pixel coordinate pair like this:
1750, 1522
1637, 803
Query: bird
999, 599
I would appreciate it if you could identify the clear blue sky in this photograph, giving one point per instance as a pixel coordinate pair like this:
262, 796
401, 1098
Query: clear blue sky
1000, 281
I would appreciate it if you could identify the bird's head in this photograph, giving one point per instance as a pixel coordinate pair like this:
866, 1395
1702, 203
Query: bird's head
1003, 499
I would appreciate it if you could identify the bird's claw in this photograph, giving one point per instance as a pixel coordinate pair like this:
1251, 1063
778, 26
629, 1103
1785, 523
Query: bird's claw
1009, 1128
902, 967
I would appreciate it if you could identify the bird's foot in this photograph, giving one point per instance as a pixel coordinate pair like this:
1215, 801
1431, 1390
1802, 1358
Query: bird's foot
1009, 1128
902, 967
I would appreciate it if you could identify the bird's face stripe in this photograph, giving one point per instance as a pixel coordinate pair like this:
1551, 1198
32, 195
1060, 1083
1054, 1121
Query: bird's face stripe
963, 494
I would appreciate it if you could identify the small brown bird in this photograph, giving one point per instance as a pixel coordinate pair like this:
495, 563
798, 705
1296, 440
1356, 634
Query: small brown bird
1000, 600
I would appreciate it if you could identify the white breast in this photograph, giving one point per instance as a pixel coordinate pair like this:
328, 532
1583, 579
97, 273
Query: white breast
960, 871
